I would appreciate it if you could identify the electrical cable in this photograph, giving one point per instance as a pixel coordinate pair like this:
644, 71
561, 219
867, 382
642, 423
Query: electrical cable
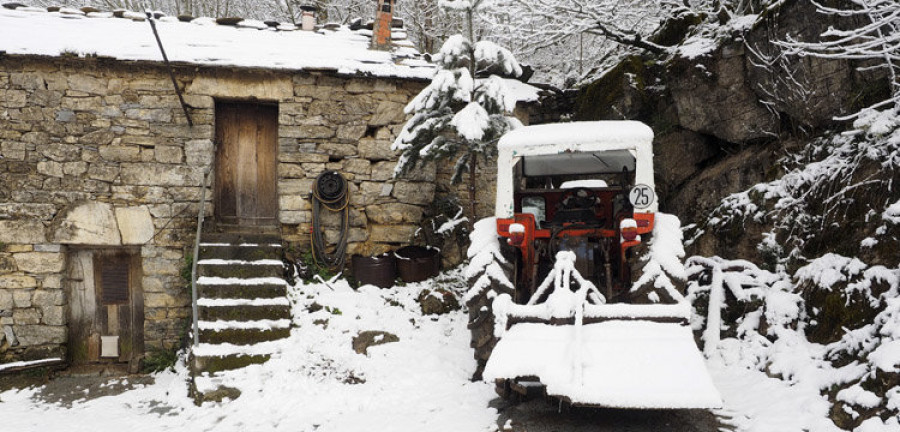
329, 191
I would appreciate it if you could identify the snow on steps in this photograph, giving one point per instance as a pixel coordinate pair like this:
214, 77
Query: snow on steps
261, 268
243, 308
217, 288
228, 349
226, 302
25, 365
244, 325
243, 332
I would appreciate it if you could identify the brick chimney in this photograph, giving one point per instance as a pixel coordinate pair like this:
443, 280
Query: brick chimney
381, 31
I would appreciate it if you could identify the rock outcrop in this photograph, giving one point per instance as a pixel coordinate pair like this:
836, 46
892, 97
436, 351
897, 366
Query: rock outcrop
723, 118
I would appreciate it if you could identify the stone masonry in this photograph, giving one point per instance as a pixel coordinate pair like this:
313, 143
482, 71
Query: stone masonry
97, 153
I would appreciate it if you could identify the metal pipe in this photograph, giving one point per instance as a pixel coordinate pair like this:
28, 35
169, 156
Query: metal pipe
184, 106
609, 285
194, 309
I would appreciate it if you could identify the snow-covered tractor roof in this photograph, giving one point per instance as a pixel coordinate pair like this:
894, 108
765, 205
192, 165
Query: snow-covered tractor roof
574, 148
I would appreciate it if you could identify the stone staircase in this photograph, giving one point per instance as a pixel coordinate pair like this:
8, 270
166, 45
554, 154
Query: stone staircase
243, 308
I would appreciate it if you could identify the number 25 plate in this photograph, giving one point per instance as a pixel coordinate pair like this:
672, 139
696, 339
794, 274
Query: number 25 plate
641, 196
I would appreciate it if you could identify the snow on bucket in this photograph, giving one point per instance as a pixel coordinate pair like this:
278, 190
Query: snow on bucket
417, 263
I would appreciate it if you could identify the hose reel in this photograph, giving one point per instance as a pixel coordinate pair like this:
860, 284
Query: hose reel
329, 191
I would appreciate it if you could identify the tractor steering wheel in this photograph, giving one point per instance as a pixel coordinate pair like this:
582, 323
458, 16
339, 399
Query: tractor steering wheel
580, 197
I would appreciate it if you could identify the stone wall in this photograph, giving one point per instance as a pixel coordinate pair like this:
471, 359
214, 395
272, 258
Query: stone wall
485, 190
96, 153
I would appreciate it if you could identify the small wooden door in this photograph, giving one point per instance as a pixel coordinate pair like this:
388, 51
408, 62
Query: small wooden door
246, 143
106, 316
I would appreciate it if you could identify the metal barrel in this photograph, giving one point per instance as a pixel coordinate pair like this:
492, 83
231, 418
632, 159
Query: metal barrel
417, 263
380, 271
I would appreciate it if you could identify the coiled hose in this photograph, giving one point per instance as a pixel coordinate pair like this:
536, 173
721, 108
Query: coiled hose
329, 191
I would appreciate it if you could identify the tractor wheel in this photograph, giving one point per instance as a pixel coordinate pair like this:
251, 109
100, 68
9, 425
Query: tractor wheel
481, 312
647, 292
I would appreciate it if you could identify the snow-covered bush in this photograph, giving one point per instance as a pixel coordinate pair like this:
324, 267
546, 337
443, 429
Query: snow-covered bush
736, 299
445, 226
870, 344
834, 325
662, 273
489, 274
485, 269
828, 197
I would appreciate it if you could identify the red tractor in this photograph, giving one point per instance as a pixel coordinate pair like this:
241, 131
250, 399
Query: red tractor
568, 291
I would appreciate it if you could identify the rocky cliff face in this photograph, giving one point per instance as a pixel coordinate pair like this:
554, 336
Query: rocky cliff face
748, 151
724, 116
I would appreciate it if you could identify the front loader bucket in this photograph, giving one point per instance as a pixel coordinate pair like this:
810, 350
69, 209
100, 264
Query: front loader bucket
617, 363
590, 353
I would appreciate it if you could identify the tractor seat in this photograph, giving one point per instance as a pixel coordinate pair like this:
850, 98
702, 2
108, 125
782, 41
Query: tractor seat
579, 215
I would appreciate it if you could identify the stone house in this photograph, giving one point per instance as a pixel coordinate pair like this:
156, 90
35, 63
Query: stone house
101, 174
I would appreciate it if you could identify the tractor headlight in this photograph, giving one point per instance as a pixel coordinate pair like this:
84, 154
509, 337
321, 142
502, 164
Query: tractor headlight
516, 234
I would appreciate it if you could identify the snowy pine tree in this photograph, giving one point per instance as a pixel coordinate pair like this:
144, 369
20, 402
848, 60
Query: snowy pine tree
463, 112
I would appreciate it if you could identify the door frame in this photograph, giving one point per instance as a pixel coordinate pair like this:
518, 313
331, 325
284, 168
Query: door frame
86, 309
220, 170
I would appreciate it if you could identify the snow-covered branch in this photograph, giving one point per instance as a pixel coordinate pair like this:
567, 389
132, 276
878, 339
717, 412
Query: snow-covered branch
853, 173
570, 38
875, 36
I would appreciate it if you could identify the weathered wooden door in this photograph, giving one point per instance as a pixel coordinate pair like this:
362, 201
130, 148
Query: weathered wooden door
246, 143
106, 316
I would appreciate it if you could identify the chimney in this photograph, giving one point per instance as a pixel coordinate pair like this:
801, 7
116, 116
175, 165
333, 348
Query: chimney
381, 32
307, 18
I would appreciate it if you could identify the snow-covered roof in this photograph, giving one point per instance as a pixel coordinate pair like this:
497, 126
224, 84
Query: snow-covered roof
522, 92
249, 43
594, 135
568, 143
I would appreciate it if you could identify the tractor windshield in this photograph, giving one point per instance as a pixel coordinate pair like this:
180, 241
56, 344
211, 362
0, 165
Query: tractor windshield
606, 169
570, 163
584, 187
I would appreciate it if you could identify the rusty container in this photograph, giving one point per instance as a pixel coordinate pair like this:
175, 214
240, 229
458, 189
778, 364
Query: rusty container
417, 263
380, 270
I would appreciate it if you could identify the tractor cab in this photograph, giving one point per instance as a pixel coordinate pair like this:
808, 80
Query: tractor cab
583, 187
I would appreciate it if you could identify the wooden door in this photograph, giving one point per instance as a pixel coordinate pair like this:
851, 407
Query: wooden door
106, 303
246, 143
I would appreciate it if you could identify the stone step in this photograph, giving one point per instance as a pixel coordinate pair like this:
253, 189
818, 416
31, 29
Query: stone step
213, 364
243, 305
212, 387
233, 291
224, 227
240, 238
240, 269
243, 336
236, 252
244, 313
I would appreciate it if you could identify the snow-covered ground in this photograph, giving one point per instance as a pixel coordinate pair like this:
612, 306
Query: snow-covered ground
755, 402
317, 382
